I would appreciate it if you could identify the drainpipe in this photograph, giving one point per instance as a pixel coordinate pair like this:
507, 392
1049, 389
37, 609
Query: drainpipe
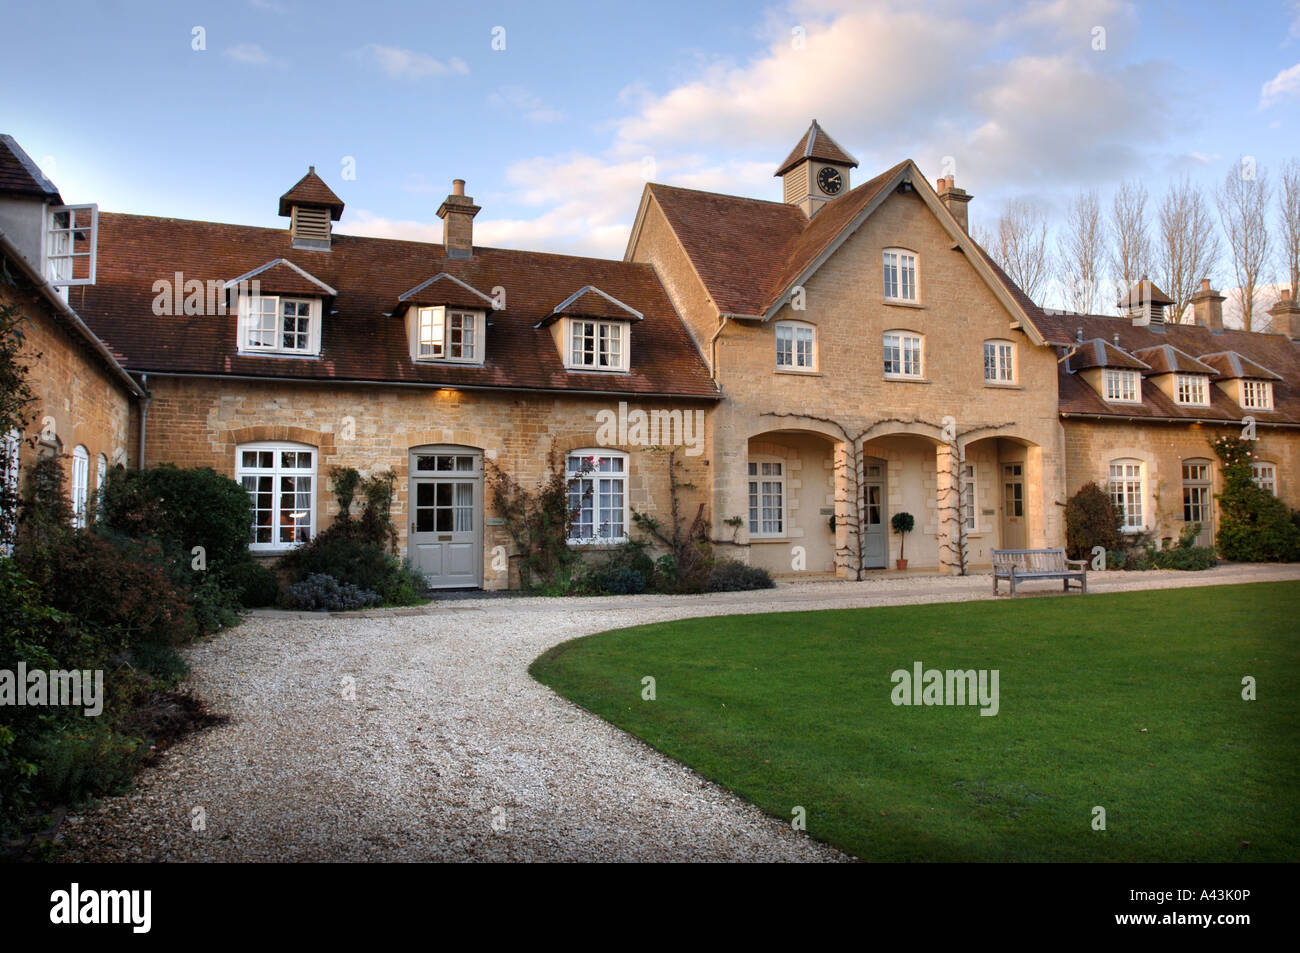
144, 417
713, 348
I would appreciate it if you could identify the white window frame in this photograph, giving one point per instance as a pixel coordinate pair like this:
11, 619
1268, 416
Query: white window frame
246, 326
434, 328
1003, 362
80, 485
796, 346
759, 484
1127, 488
1256, 395
277, 471
1192, 390
902, 339
10, 447
969, 489
1117, 382
593, 478
901, 275
60, 245
1264, 475
603, 333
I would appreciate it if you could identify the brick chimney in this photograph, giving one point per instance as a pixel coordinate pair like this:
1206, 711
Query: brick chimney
955, 200
1207, 307
1286, 315
457, 213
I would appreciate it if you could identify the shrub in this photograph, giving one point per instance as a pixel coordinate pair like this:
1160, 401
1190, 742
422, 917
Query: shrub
1187, 558
538, 524
186, 507
255, 584
620, 581
1254, 525
322, 593
729, 575
84, 760
1091, 519
161, 662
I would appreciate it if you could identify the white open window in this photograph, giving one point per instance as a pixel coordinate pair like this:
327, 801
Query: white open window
1265, 476
597, 496
71, 243
1257, 395
796, 346
1128, 493
597, 345
281, 482
273, 324
999, 362
1192, 390
10, 445
80, 484
1122, 386
766, 498
447, 334
900, 275
904, 354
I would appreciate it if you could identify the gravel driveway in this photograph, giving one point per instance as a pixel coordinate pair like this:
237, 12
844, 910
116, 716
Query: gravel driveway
450, 751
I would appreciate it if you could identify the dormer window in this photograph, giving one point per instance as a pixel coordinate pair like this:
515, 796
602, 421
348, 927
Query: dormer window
273, 324
1257, 395
1122, 386
1192, 390
900, 275
597, 345
71, 244
447, 334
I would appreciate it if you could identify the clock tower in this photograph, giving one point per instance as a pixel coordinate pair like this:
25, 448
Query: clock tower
816, 171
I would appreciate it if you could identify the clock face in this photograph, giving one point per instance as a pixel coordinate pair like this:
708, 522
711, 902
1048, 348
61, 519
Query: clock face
830, 180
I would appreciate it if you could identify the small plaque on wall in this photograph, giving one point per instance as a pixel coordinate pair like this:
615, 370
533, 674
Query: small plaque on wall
827, 511
496, 521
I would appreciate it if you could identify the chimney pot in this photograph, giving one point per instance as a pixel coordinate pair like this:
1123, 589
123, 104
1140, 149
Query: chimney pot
457, 186
1205, 284
1286, 315
940, 184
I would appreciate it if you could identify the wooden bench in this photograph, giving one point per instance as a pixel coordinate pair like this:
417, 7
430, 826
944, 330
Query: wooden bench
1019, 565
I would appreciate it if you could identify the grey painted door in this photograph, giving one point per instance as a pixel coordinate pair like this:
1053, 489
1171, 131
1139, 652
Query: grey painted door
1013, 506
446, 530
875, 514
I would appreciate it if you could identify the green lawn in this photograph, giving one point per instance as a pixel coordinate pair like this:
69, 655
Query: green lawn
1132, 702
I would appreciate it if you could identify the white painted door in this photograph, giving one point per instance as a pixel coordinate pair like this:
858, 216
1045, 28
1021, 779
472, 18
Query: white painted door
1013, 506
875, 515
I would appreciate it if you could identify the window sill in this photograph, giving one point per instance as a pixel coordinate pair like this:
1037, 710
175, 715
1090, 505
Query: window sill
299, 355
768, 539
596, 545
597, 370
446, 360
1004, 385
796, 372
899, 379
901, 303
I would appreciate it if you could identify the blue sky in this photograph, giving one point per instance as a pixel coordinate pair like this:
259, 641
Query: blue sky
557, 132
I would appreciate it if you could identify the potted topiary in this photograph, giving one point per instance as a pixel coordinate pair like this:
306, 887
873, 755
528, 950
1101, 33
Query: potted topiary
903, 524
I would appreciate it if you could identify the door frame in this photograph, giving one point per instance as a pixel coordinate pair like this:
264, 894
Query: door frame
459, 476
1004, 480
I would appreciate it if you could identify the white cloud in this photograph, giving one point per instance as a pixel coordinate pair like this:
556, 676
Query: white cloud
268, 6
522, 100
251, 53
398, 63
1285, 83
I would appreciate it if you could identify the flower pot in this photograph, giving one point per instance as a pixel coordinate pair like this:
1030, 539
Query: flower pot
900, 564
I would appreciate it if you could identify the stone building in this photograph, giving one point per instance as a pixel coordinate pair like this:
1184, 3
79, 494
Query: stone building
820, 364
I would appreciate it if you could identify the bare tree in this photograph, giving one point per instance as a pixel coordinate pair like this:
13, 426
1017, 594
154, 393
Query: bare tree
1019, 246
1288, 220
1130, 237
1080, 250
1243, 200
1187, 246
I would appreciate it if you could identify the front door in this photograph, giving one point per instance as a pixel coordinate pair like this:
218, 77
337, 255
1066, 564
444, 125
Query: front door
1196, 499
1013, 506
446, 495
875, 539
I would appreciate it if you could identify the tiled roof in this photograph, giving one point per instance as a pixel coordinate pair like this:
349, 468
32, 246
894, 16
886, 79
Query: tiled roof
282, 276
19, 175
312, 190
1099, 353
447, 290
816, 144
1143, 292
591, 302
1167, 359
360, 340
1272, 351
1229, 365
